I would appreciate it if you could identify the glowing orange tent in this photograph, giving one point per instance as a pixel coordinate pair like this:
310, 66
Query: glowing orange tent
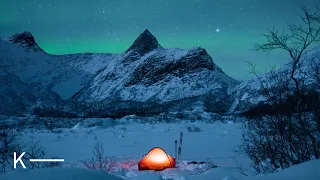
157, 159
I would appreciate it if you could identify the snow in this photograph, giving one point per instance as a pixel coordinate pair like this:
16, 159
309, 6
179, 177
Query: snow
224, 173
305, 171
233, 105
309, 171
128, 140
244, 97
58, 174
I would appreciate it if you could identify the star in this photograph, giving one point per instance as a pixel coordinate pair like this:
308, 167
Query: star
241, 21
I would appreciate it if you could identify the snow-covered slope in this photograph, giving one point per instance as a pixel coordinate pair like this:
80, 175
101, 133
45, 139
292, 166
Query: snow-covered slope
15, 95
50, 78
306, 171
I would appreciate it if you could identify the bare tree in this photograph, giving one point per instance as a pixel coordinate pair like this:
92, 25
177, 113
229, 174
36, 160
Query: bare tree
295, 41
282, 139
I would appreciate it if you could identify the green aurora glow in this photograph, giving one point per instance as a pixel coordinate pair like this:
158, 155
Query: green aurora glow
110, 26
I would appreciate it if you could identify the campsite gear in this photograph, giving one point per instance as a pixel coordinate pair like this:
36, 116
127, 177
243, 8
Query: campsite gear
175, 149
156, 159
180, 147
195, 162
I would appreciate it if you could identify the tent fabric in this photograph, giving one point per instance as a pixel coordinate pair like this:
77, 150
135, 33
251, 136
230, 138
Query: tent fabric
157, 159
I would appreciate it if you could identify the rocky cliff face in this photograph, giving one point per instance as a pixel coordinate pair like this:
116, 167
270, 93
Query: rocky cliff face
156, 67
145, 43
26, 40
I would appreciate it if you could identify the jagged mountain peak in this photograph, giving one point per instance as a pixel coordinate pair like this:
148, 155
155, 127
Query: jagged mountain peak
25, 40
145, 43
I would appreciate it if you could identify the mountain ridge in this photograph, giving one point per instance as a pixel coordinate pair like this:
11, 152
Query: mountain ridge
144, 72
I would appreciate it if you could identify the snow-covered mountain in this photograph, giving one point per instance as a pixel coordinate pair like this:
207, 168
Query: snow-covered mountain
145, 72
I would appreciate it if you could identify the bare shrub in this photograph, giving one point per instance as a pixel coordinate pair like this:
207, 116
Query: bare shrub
194, 129
99, 161
89, 131
242, 169
210, 164
72, 131
10, 143
34, 151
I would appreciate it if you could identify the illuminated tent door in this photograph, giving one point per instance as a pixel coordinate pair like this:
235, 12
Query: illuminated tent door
157, 159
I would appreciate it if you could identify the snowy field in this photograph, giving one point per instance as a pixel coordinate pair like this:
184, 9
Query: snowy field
129, 141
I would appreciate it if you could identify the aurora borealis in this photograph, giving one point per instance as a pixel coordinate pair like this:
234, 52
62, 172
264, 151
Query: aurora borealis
226, 28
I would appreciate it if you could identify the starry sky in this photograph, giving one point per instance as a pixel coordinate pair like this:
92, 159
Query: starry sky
227, 29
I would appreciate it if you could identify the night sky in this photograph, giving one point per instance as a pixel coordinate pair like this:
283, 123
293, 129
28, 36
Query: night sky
226, 28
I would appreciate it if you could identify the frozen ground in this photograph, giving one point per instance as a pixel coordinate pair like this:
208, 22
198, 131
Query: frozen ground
129, 141
214, 141
305, 171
